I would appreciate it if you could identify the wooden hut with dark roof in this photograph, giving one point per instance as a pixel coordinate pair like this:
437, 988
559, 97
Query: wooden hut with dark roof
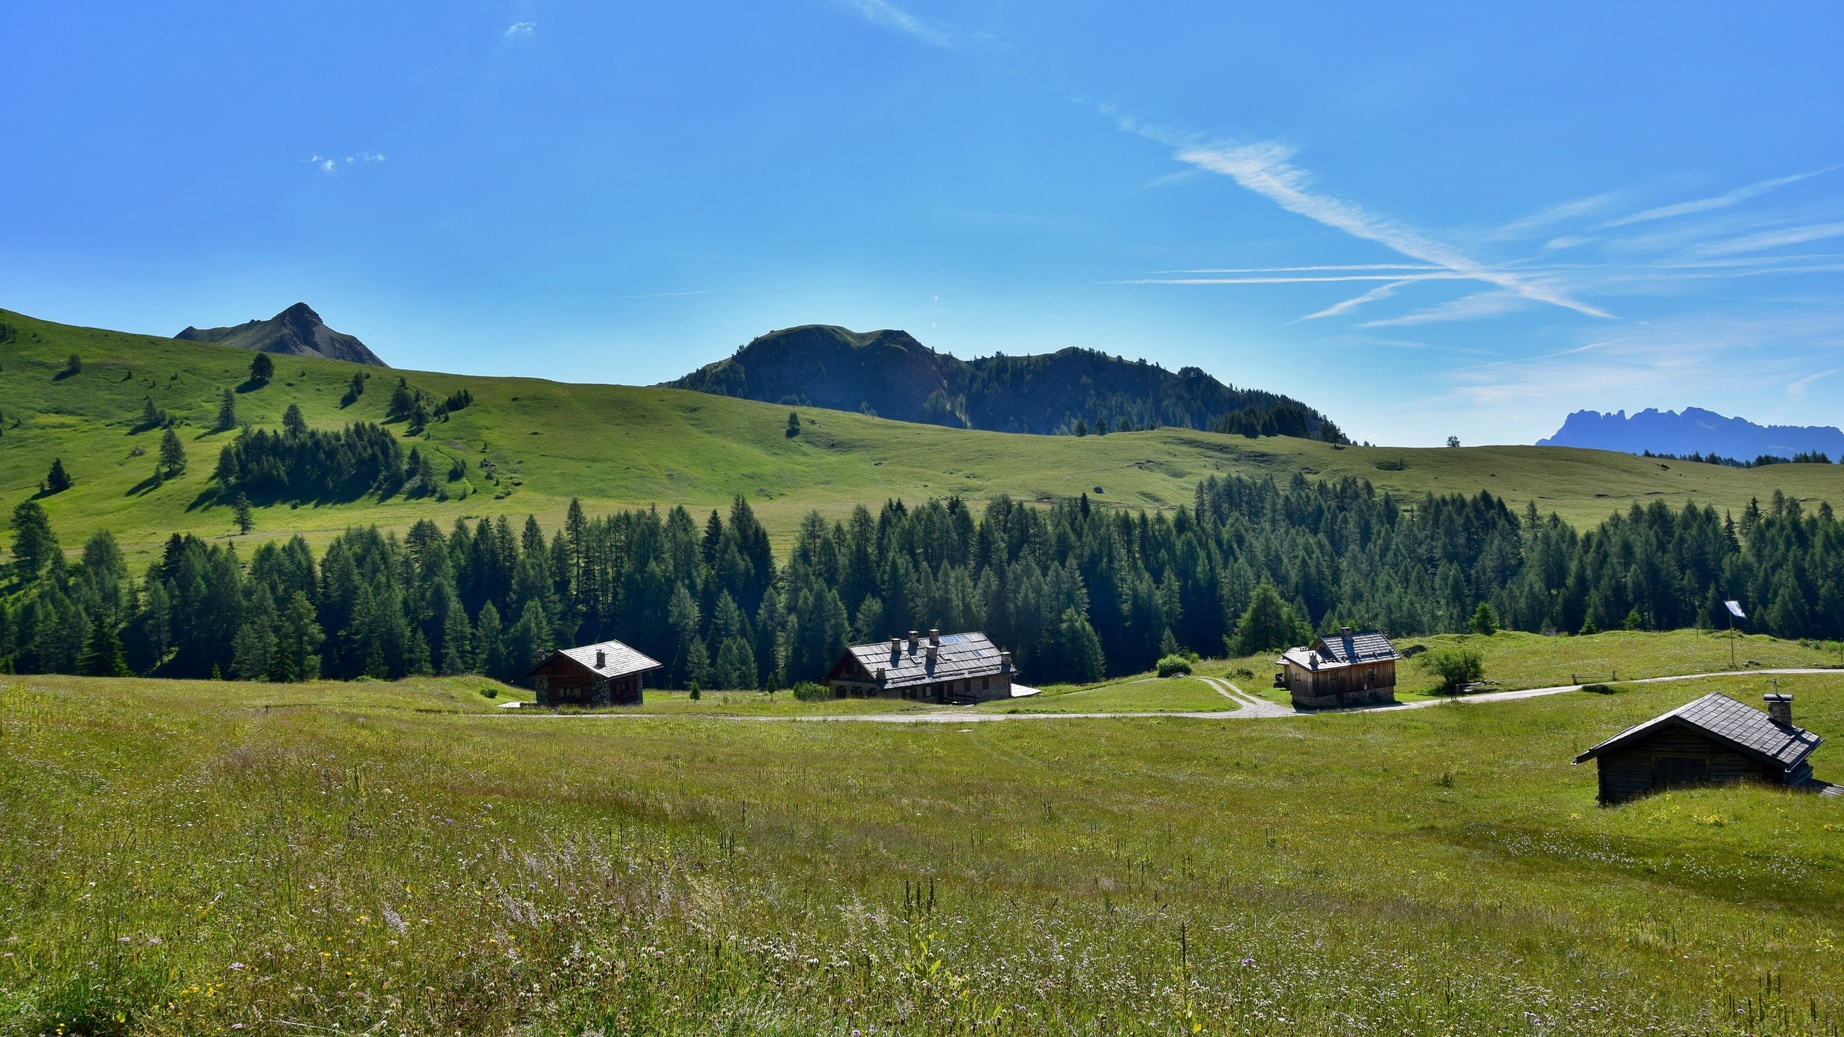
958, 668
1343, 669
1712, 741
605, 674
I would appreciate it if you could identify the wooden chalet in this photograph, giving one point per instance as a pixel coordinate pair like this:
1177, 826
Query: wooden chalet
1712, 741
1342, 669
606, 674
959, 668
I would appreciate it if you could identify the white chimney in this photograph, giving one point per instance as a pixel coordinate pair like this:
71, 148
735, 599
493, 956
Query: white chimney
934, 636
931, 653
912, 640
1005, 662
896, 646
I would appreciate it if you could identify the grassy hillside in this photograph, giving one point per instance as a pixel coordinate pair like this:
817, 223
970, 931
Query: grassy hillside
631, 446
198, 857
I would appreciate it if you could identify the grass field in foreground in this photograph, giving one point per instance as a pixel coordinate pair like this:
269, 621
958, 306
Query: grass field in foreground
626, 446
180, 860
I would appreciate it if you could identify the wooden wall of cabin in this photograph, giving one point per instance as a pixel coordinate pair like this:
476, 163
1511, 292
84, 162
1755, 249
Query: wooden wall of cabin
1675, 758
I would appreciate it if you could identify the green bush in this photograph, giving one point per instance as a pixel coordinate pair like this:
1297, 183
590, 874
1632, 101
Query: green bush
1457, 667
1174, 666
807, 691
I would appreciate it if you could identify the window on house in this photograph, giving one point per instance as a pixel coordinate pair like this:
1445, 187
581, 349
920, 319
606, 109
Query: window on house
985, 683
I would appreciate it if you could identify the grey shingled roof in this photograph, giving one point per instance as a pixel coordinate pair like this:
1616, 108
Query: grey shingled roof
619, 660
1734, 724
959, 656
1335, 650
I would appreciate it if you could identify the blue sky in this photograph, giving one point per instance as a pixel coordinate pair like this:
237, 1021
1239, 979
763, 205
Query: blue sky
1425, 219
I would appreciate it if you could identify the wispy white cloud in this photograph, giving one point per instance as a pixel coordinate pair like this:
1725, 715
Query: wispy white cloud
1721, 201
1797, 389
1444, 275
1471, 307
1266, 169
520, 29
1772, 239
333, 165
889, 15
1555, 214
1297, 269
1382, 291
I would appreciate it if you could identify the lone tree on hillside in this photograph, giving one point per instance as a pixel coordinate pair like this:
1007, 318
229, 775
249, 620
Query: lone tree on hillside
72, 366
246, 519
1453, 440
293, 424
262, 368
172, 454
227, 411
57, 480
793, 424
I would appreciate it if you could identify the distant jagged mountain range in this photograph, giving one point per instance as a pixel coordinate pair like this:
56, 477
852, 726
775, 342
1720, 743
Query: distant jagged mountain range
891, 375
1695, 431
296, 331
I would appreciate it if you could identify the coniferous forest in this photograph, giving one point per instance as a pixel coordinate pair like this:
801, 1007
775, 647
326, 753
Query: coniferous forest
1076, 592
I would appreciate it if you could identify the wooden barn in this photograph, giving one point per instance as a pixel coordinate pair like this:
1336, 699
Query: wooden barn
1712, 741
606, 674
1343, 669
960, 668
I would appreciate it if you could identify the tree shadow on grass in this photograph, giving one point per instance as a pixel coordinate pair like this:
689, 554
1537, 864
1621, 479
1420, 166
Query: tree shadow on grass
145, 486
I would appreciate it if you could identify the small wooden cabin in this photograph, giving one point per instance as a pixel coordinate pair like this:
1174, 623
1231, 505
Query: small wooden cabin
606, 674
1712, 741
1342, 669
960, 668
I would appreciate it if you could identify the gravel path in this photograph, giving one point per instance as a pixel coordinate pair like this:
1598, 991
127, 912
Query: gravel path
1249, 707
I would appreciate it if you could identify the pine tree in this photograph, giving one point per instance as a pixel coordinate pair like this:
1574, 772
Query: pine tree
227, 411
1268, 624
246, 518
172, 454
457, 648
262, 368
297, 644
57, 480
489, 649
34, 544
293, 424
102, 652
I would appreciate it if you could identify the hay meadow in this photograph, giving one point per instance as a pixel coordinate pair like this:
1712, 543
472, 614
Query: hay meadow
209, 857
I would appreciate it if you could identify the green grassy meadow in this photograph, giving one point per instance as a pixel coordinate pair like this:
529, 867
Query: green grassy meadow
203, 857
625, 446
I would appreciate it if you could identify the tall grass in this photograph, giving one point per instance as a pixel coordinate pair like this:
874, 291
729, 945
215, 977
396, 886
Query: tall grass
178, 859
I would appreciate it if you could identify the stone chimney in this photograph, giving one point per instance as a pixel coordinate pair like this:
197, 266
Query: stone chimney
934, 636
880, 675
1346, 631
601, 658
931, 655
1779, 708
896, 646
1005, 662
912, 640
